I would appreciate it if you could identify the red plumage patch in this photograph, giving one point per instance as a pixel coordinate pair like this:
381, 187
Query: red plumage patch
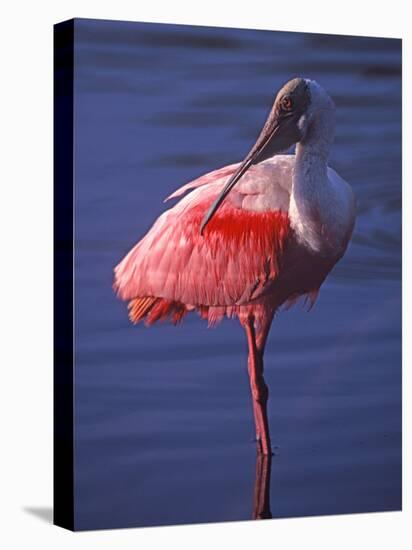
244, 227
254, 237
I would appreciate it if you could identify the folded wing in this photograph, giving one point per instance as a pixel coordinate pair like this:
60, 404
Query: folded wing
231, 264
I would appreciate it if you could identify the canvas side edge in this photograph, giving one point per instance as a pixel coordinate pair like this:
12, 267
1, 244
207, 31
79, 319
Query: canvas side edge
63, 264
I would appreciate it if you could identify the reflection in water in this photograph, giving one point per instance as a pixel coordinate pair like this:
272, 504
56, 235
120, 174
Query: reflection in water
261, 498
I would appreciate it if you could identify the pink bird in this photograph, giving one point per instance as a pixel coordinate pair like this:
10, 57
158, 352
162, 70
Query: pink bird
249, 237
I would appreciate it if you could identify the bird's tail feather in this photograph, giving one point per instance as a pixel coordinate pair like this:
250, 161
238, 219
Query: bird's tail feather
140, 307
152, 309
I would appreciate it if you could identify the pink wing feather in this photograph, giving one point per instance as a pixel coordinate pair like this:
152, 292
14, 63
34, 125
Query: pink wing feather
211, 177
227, 267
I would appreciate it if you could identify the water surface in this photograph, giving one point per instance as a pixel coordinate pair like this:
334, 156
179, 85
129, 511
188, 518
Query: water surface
163, 426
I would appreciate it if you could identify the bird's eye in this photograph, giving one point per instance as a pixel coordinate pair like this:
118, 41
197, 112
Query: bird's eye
286, 103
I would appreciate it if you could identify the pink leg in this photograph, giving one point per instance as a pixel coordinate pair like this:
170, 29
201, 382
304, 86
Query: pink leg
258, 386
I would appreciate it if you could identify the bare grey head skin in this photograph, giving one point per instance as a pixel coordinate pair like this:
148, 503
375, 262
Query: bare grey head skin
281, 129
295, 117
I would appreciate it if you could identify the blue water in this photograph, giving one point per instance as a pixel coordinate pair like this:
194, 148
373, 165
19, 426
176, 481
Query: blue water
163, 423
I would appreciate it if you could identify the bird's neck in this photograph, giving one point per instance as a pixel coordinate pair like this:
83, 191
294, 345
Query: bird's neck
310, 185
310, 169
312, 152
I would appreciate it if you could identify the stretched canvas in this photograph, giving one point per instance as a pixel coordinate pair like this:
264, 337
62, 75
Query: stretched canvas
283, 250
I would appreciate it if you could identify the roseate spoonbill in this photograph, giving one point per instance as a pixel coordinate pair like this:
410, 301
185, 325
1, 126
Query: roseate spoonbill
249, 237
